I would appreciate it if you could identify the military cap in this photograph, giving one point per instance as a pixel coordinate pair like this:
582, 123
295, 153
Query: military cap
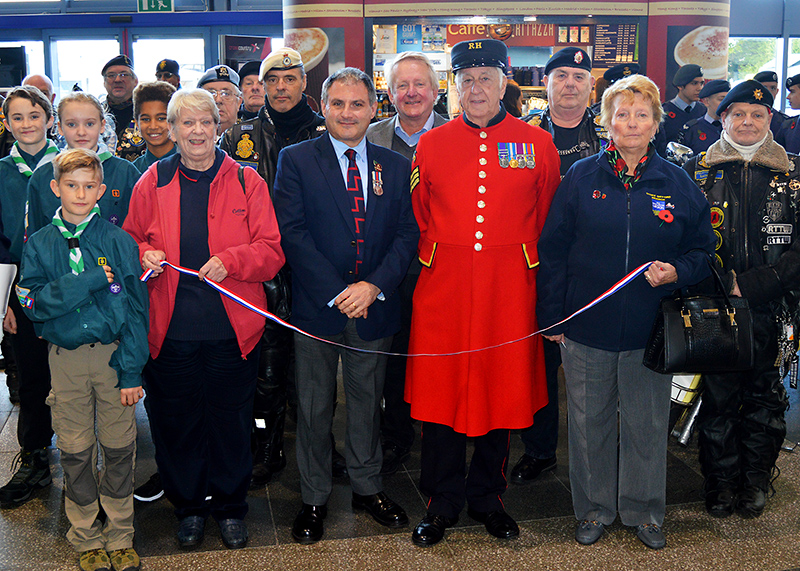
750, 91
219, 73
686, 74
169, 65
283, 59
118, 60
763, 76
569, 57
794, 80
620, 71
250, 68
479, 53
714, 86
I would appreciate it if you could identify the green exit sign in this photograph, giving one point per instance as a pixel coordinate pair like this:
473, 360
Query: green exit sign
156, 5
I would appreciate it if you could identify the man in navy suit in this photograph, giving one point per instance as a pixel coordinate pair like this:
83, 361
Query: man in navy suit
348, 231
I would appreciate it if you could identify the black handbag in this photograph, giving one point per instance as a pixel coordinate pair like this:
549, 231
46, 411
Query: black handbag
701, 334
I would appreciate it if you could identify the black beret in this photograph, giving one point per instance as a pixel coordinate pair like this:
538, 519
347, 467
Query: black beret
619, 71
119, 60
686, 74
794, 80
479, 53
169, 65
763, 76
569, 57
750, 91
714, 86
219, 73
250, 68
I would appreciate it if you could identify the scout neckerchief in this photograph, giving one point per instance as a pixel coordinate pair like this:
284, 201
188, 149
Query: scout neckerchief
75, 259
621, 169
103, 152
23, 167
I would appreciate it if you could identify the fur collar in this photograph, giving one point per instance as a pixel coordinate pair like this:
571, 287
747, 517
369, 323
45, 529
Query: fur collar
770, 155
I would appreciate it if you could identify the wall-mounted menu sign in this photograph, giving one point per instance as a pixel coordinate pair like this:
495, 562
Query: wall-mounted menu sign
613, 44
511, 34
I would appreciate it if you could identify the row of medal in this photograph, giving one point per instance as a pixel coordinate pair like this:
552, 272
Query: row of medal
516, 155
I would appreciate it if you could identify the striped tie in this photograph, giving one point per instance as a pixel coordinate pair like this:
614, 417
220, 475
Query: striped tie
356, 194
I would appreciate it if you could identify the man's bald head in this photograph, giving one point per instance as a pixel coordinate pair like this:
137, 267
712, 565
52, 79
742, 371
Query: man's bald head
42, 83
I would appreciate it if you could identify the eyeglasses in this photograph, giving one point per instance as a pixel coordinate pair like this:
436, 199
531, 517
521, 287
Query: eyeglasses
121, 75
223, 93
164, 75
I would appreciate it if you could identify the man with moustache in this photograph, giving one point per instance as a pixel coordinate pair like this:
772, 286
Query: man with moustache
119, 81
413, 87
569, 82
752, 185
223, 84
170, 71
348, 232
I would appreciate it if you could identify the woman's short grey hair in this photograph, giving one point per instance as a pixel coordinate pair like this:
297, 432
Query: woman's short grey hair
412, 56
348, 76
197, 100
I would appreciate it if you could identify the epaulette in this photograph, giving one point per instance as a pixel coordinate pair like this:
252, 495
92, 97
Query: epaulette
690, 122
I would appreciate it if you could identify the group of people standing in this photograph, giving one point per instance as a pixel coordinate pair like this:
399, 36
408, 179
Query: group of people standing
362, 235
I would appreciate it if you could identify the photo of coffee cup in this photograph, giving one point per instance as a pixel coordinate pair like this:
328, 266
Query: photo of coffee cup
312, 43
706, 46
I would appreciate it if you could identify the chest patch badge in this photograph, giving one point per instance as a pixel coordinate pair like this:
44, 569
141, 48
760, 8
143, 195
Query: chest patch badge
717, 217
774, 210
244, 148
101, 261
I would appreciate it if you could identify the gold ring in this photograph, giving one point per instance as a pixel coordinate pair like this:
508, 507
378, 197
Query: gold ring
354, 304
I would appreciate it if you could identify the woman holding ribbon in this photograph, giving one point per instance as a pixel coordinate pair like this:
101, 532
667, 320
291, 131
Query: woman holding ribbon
612, 213
195, 209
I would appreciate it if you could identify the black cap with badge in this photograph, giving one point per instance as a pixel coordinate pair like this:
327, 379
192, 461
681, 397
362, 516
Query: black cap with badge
750, 91
479, 53
168, 65
118, 60
794, 80
569, 57
768, 76
620, 71
219, 73
687, 74
714, 86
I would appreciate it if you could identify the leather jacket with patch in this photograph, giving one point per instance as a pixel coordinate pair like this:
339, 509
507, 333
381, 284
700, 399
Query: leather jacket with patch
252, 143
754, 213
593, 136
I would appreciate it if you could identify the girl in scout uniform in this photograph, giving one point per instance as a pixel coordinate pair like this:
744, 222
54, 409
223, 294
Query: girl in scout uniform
81, 122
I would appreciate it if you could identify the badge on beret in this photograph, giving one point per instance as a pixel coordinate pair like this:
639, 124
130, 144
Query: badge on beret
578, 57
758, 94
223, 72
287, 61
626, 71
163, 64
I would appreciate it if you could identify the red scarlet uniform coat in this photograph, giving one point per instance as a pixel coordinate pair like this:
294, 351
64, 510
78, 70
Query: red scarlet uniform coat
479, 224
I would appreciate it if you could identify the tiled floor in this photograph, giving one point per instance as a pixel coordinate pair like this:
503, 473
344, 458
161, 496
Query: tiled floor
32, 536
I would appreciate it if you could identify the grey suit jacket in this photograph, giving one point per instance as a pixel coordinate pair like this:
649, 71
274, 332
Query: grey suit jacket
381, 133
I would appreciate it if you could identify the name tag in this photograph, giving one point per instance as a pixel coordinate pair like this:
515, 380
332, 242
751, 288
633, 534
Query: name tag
779, 228
778, 240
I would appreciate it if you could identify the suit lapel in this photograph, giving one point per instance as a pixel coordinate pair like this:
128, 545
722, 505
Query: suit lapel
332, 172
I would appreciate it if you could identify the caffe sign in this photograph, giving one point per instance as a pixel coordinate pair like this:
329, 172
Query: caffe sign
532, 34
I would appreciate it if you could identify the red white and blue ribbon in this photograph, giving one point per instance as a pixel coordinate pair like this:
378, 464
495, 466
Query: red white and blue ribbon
264, 313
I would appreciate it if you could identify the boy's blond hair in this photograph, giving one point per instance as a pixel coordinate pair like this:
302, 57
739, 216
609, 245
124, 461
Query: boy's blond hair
74, 159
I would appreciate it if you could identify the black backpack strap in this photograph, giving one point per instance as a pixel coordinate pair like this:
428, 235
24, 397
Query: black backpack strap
241, 179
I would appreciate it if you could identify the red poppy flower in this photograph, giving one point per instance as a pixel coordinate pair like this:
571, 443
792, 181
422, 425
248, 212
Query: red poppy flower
671, 114
702, 136
596, 194
666, 216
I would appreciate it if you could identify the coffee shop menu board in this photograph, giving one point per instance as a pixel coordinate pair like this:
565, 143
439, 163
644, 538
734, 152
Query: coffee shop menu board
614, 44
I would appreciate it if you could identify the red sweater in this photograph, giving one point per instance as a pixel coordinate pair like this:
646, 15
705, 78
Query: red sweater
242, 233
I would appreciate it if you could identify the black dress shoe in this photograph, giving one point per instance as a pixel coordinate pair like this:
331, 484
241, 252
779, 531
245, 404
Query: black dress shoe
338, 466
528, 469
191, 530
751, 501
430, 530
382, 509
234, 533
720, 502
307, 527
498, 523
393, 458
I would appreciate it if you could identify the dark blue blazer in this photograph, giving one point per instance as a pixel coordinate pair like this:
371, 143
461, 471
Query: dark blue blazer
318, 235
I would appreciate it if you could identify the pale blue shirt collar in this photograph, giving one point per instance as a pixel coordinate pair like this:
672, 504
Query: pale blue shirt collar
361, 162
681, 104
413, 139
710, 119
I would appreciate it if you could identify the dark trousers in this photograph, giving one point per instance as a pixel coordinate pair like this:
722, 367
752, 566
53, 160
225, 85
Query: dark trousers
396, 424
34, 429
541, 439
201, 406
444, 476
740, 424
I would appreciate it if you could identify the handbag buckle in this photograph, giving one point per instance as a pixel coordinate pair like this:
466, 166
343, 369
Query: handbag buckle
732, 315
687, 321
